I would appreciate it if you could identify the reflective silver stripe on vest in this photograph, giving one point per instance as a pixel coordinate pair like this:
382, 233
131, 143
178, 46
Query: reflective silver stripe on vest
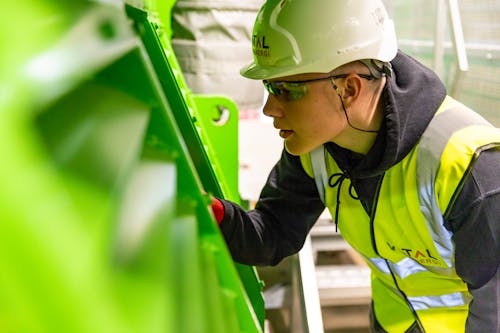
407, 267
381, 264
430, 149
402, 268
319, 170
448, 300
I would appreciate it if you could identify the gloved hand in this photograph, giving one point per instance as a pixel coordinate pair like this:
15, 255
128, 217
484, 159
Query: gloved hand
218, 210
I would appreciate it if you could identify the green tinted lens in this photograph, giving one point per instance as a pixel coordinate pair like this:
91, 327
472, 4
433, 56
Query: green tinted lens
289, 90
273, 88
295, 90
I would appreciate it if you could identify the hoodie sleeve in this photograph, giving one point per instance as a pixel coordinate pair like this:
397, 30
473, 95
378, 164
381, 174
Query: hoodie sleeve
287, 209
475, 223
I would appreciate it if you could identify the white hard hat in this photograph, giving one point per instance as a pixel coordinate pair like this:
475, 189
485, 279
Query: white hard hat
316, 36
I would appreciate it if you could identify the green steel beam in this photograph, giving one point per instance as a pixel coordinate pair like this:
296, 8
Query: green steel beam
206, 152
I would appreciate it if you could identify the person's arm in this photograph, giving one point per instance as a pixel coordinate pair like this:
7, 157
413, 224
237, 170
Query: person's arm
288, 207
475, 223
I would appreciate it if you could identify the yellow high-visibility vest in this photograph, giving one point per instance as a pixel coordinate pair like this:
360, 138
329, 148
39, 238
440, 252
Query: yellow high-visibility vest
410, 252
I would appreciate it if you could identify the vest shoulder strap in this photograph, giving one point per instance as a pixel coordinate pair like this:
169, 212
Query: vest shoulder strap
319, 170
434, 150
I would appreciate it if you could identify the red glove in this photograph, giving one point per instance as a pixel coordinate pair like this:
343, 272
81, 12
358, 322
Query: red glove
218, 210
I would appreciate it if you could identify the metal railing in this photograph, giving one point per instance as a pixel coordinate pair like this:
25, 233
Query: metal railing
306, 306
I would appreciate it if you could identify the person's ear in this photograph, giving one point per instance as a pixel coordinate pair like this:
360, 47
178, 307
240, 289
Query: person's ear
352, 88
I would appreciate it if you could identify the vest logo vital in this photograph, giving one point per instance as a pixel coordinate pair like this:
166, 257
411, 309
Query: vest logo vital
422, 256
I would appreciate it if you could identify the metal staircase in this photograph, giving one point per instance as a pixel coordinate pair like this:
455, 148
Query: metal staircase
324, 288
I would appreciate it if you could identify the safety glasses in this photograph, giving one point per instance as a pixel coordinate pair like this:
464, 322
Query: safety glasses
294, 90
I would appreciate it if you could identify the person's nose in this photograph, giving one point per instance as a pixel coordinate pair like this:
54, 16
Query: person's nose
273, 107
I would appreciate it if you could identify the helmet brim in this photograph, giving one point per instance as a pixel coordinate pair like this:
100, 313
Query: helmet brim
256, 72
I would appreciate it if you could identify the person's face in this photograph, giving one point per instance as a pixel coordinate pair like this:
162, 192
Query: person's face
310, 120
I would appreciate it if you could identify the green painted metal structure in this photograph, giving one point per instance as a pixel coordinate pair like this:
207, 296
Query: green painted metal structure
106, 156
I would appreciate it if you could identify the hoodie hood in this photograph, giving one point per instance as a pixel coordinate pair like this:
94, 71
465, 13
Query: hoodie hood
410, 99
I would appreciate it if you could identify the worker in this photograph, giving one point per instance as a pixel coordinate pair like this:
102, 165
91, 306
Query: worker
410, 176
